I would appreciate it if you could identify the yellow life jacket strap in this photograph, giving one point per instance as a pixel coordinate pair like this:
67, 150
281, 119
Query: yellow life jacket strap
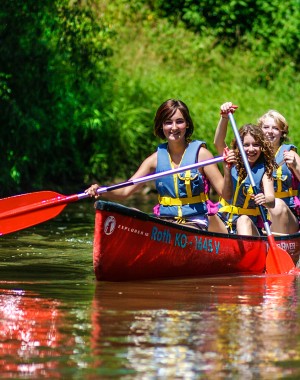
234, 210
285, 194
169, 201
187, 178
239, 210
223, 202
279, 175
248, 196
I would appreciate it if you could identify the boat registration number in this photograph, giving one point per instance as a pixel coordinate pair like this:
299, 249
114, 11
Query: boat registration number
182, 240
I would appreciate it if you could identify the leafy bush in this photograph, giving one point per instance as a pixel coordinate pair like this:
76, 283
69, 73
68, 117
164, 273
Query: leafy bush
52, 57
80, 84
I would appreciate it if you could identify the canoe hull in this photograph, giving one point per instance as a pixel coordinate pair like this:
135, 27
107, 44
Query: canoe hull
132, 245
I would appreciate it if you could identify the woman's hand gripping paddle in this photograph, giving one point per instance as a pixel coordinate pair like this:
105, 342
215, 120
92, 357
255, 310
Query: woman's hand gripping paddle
26, 210
278, 260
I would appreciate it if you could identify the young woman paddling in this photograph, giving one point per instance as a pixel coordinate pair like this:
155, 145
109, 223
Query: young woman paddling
182, 197
286, 177
241, 213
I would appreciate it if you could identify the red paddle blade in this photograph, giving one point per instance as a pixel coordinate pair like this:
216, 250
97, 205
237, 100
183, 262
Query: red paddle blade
25, 210
278, 260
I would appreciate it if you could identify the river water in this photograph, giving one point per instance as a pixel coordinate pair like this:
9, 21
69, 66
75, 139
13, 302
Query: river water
57, 322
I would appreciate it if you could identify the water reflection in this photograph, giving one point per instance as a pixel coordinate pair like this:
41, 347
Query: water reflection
242, 327
30, 335
57, 322
46, 289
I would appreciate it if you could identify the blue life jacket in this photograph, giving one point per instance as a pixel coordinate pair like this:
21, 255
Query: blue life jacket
181, 194
283, 178
241, 202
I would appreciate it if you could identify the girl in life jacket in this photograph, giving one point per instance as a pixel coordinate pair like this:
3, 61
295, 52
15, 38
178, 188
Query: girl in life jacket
284, 216
183, 196
240, 212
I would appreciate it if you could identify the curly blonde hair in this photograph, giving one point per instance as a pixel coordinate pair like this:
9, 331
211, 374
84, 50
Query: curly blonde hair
267, 154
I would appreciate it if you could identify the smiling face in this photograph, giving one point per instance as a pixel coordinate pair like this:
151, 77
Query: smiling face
252, 148
272, 131
175, 127
257, 149
274, 127
166, 114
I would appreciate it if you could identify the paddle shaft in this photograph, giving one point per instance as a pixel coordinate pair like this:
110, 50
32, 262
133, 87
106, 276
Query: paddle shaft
63, 200
25, 210
151, 177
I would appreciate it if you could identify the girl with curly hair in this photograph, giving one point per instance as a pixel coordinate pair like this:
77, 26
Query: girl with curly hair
240, 212
286, 213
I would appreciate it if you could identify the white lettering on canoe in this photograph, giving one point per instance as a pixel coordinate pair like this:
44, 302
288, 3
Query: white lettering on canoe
290, 247
133, 230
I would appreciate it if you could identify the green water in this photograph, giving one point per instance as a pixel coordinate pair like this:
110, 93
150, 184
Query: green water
57, 322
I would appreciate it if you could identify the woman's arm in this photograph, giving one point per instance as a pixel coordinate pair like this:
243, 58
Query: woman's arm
267, 198
220, 134
147, 167
292, 160
227, 191
222, 185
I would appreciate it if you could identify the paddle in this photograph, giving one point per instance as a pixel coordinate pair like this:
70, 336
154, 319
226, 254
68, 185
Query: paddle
25, 210
278, 261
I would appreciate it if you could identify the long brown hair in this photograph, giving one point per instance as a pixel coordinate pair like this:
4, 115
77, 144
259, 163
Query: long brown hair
267, 153
166, 111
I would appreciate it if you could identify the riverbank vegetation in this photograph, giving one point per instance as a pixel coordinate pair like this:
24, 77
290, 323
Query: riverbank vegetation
80, 81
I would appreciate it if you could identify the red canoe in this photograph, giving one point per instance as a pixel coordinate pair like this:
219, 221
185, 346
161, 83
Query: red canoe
132, 245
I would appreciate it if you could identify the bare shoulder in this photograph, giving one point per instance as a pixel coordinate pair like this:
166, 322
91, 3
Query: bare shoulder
152, 161
204, 154
148, 166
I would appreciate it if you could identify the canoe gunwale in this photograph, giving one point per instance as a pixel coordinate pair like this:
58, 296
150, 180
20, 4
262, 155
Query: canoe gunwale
134, 213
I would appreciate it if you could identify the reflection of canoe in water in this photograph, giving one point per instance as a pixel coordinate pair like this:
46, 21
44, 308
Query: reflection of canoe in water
196, 327
131, 245
30, 338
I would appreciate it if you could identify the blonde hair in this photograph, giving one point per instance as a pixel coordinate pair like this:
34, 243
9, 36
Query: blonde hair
280, 122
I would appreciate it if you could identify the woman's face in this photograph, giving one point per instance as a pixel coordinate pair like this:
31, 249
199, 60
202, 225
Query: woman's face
174, 128
272, 131
252, 149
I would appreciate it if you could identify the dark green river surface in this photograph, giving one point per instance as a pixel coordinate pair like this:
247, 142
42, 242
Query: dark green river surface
58, 322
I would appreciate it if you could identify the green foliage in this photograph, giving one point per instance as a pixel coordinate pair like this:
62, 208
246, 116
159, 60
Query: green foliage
80, 81
52, 57
269, 28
